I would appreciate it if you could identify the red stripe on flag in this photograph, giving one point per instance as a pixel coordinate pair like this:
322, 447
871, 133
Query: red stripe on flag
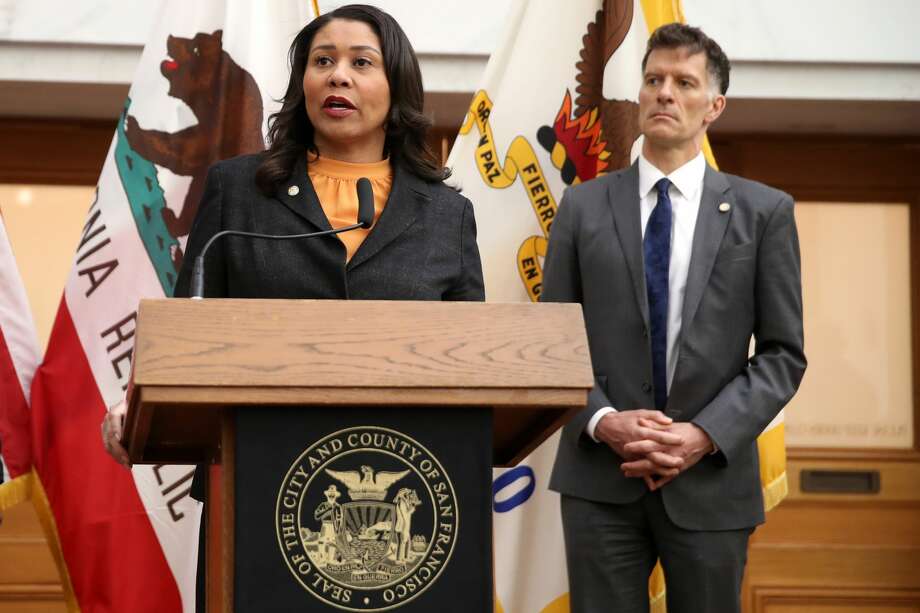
14, 417
112, 553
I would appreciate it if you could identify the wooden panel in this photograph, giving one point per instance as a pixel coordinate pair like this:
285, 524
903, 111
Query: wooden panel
29, 579
214, 565
846, 553
810, 604
31, 599
825, 168
810, 565
220, 567
27, 560
836, 601
899, 475
529, 362
53, 151
33, 605
513, 399
816, 525
362, 343
179, 426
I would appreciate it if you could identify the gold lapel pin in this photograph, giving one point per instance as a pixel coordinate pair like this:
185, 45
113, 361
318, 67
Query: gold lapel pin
293, 190
724, 207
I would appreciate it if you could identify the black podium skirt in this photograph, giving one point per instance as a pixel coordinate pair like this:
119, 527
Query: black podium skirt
361, 509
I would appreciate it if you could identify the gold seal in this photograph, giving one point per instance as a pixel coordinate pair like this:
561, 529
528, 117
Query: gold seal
366, 519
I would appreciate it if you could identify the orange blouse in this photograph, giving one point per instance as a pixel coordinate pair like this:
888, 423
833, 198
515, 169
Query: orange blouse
336, 182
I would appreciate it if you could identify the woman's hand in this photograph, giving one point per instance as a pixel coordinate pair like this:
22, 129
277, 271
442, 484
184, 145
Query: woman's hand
112, 427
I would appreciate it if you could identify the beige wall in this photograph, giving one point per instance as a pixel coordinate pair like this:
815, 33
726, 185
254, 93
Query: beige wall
44, 223
857, 391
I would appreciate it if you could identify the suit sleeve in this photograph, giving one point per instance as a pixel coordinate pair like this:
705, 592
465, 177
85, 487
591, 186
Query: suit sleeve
469, 285
207, 224
562, 283
750, 401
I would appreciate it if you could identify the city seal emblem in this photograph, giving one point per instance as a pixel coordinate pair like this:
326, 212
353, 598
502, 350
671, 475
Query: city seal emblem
366, 519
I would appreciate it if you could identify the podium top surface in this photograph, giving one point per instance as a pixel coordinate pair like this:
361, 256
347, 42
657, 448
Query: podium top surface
360, 343
529, 362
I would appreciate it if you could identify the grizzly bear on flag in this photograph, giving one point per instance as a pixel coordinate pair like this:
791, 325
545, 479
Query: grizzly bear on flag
225, 100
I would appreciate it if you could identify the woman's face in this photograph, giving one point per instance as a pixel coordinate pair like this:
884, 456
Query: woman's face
347, 93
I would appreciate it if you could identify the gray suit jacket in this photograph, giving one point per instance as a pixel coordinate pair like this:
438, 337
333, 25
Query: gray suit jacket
744, 280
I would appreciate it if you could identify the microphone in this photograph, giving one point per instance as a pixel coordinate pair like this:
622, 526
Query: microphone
365, 220
365, 203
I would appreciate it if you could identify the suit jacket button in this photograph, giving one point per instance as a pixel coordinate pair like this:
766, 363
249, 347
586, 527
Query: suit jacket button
646, 387
644, 332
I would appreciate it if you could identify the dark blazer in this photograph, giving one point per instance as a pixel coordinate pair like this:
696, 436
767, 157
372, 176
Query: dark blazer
423, 247
744, 280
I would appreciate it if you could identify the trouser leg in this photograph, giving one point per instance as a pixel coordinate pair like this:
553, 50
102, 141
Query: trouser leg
609, 554
702, 569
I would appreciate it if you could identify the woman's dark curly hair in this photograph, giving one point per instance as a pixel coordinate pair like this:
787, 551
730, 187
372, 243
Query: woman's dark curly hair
291, 133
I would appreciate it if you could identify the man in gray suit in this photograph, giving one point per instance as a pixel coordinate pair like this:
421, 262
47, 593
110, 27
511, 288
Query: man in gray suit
677, 266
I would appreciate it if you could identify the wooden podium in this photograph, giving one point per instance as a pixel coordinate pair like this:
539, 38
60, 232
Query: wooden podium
199, 362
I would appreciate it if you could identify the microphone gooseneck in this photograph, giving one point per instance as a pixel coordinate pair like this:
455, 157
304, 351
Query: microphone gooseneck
365, 220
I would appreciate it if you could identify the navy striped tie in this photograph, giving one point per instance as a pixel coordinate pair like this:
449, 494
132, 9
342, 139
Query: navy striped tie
657, 248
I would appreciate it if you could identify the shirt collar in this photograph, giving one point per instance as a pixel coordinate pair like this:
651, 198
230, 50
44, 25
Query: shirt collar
688, 179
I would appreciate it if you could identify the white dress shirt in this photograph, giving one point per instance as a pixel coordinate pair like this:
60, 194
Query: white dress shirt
685, 191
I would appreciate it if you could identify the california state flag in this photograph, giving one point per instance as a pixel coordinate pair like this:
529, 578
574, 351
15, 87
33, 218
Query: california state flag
558, 106
203, 91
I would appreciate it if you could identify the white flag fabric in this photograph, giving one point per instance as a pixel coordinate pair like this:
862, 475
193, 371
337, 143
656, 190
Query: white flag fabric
203, 91
553, 110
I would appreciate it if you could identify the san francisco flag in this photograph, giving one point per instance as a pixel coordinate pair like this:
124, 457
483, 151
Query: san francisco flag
558, 106
203, 91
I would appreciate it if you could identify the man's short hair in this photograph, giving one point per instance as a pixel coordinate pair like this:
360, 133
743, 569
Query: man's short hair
694, 40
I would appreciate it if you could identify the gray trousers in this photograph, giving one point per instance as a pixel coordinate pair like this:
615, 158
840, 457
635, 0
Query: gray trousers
611, 550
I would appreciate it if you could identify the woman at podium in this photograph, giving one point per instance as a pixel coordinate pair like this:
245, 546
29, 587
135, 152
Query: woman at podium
352, 109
